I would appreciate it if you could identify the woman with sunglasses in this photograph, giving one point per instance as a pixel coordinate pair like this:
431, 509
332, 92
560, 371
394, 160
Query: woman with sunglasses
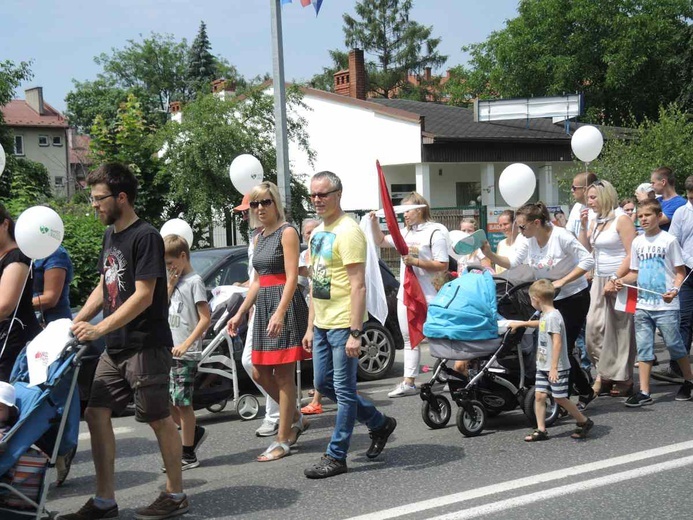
428, 254
281, 315
609, 334
555, 254
15, 295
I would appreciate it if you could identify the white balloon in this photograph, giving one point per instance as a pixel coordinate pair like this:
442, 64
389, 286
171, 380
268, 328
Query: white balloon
516, 184
39, 232
180, 227
246, 172
587, 143
2, 160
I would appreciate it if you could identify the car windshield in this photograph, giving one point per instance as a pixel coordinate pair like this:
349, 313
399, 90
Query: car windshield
202, 260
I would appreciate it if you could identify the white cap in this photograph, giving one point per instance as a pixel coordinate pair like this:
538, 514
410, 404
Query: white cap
645, 187
7, 395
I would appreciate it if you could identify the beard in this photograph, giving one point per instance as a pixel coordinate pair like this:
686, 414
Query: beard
111, 217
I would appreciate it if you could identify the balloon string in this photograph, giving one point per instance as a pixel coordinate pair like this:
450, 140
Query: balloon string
16, 308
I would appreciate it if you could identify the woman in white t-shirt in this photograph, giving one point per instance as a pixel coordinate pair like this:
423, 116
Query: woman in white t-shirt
609, 334
555, 254
428, 244
468, 225
506, 247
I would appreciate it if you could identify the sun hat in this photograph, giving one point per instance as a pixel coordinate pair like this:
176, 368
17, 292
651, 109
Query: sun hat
244, 205
7, 395
645, 187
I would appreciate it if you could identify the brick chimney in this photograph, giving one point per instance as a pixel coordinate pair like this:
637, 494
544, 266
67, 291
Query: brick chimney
341, 82
427, 74
357, 74
174, 107
34, 98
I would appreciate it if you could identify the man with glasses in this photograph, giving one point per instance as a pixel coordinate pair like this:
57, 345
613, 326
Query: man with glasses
137, 360
335, 324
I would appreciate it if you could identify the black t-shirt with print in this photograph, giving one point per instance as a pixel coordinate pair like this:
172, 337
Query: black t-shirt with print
136, 253
26, 326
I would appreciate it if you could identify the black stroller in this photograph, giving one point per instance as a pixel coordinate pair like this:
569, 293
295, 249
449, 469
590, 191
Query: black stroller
500, 374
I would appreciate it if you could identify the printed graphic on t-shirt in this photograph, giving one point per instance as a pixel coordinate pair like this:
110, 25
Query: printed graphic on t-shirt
542, 261
652, 273
113, 269
542, 346
321, 259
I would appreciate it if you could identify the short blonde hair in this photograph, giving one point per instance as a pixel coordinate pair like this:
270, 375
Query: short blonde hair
270, 188
417, 198
543, 290
174, 245
607, 198
472, 221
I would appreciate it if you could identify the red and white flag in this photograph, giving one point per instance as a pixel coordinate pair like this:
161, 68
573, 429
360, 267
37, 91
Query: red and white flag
626, 300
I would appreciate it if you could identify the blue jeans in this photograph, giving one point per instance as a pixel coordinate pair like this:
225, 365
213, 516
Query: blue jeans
668, 324
335, 378
686, 303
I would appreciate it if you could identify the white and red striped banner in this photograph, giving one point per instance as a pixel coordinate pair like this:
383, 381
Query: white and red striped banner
626, 299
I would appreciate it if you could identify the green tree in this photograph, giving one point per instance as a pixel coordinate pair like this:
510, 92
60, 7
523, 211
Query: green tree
130, 140
202, 68
624, 55
325, 80
627, 160
397, 44
90, 99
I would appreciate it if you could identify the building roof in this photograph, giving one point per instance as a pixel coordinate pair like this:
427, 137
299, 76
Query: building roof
18, 113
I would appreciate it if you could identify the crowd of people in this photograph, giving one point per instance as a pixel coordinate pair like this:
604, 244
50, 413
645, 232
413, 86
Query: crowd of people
313, 304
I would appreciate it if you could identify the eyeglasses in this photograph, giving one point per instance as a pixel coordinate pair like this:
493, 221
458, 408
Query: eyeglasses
98, 200
264, 203
322, 195
575, 188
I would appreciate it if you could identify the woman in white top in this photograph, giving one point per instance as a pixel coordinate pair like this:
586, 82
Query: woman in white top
468, 225
555, 254
428, 253
506, 247
609, 334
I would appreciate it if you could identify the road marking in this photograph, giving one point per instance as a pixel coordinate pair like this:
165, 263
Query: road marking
510, 485
600, 482
116, 431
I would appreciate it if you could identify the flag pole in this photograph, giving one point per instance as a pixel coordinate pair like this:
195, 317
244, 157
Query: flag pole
283, 174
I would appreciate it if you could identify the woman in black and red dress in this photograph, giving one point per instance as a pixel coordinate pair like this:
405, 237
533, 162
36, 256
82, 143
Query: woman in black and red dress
281, 315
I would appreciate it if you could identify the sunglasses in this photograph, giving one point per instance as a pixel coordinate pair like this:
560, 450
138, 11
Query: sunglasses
522, 227
264, 203
575, 188
322, 195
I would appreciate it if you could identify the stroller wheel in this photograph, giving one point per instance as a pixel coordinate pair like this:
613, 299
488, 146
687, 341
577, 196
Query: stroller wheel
436, 419
471, 424
248, 407
217, 407
552, 409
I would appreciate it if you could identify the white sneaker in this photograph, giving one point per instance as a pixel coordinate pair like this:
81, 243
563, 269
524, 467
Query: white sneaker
403, 390
267, 429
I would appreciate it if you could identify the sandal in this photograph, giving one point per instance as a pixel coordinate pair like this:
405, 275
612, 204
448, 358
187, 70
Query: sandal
624, 389
582, 429
312, 409
270, 453
300, 428
537, 435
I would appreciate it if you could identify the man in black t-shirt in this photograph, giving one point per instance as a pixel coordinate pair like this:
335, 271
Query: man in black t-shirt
137, 361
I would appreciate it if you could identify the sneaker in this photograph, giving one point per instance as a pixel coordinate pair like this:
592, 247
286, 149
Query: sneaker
639, 399
163, 507
327, 467
190, 462
380, 436
585, 400
267, 429
668, 374
200, 437
684, 393
403, 389
90, 512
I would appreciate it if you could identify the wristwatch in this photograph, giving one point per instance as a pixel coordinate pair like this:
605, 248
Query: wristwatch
355, 333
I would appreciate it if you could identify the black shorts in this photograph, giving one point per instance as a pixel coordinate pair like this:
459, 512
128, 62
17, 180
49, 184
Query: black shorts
143, 374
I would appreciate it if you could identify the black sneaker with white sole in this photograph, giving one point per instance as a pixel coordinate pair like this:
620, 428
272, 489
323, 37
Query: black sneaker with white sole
684, 393
190, 462
639, 399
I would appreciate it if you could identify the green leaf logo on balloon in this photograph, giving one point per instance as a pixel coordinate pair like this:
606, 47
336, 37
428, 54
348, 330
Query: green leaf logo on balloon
43, 230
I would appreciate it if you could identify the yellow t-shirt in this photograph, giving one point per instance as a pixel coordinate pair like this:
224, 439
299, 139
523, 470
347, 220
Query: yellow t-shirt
331, 248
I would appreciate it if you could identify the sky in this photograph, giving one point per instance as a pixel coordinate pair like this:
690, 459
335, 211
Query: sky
61, 38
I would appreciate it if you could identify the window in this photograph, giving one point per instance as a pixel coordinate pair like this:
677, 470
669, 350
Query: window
19, 145
468, 193
57, 140
59, 182
43, 140
399, 191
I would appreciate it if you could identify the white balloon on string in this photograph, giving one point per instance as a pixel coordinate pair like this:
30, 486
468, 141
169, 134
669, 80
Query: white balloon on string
587, 143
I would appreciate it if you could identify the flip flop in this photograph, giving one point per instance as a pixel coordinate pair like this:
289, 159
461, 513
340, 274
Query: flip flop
300, 427
312, 409
269, 454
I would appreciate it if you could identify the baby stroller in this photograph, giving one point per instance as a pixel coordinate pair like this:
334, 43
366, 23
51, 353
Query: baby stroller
49, 419
500, 374
217, 372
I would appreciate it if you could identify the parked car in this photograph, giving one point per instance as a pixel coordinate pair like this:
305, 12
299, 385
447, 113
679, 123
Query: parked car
229, 265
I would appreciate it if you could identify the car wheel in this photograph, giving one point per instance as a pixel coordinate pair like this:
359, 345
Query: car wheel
377, 352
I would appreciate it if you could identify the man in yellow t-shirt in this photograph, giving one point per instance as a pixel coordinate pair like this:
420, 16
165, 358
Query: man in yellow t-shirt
337, 313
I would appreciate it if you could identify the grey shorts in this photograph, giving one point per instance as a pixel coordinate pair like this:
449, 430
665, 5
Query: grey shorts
142, 375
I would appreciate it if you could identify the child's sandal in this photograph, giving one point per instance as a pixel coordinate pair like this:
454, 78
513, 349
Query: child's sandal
582, 429
537, 435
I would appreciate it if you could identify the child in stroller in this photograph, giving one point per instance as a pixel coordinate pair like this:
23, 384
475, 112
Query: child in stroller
463, 324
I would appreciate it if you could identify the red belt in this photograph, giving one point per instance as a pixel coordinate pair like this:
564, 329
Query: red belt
269, 280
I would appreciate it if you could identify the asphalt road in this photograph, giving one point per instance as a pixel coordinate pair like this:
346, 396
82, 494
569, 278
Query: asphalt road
636, 465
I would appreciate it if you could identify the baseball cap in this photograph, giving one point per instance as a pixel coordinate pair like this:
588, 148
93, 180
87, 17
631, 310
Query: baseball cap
645, 187
244, 205
7, 395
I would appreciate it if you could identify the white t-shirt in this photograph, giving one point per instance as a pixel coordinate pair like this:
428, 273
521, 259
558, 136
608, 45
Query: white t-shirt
561, 254
655, 259
182, 312
427, 241
573, 224
503, 249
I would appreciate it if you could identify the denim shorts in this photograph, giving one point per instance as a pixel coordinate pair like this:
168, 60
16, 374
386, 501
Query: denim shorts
668, 324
